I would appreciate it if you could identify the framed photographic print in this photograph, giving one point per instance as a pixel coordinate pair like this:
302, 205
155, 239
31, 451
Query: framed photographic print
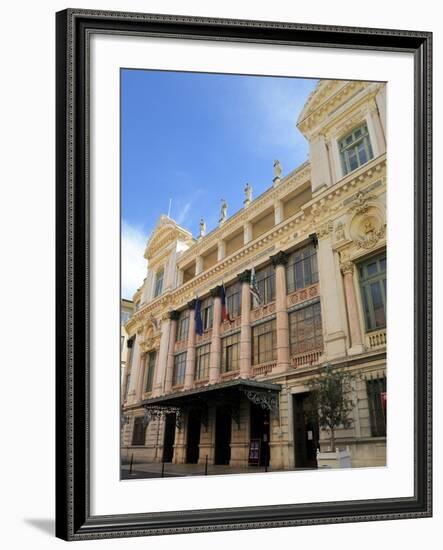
243, 274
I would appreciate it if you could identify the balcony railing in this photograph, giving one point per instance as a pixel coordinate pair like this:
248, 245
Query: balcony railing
376, 339
263, 369
306, 359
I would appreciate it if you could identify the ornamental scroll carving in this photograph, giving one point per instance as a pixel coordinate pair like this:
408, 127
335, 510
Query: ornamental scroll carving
266, 399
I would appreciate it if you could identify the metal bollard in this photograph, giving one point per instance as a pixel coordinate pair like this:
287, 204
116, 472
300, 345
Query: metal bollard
206, 465
163, 468
130, 464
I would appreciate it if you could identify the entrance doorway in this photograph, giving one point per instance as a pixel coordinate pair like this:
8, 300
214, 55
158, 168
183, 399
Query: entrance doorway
306, 433
223, 423
193, 436
169, 438
260, 430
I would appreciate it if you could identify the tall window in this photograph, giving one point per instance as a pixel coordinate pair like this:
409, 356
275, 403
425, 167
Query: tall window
183, 326
203, 354
230, 352
233, 299
206, 313
150, 365
305, 331
372, 274
355, 149
266, 284
179, 369
301, 269
158, 282
138, 434
376, 389
264, 343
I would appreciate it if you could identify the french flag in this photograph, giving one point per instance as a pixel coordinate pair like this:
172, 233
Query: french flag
224, 305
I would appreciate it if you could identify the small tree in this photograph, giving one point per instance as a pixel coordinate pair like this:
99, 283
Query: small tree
329, 402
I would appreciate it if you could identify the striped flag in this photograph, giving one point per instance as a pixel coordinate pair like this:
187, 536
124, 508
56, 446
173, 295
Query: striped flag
224, 312
253, 287
198, 317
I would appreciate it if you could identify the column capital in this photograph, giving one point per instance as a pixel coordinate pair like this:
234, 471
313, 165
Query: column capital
347, 267
325, 230
174, 315
191, 304
216, 291
245, 276
281, 258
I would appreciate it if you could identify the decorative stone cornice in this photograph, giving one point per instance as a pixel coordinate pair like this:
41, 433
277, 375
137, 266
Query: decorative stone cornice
281, 258
191, 304
245, 276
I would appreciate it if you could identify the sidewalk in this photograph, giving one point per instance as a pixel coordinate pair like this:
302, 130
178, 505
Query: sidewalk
141, 470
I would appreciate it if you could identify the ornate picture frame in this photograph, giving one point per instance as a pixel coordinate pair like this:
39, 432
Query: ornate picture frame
74, 520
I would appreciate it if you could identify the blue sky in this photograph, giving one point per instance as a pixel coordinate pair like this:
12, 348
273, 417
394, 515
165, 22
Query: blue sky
196, 138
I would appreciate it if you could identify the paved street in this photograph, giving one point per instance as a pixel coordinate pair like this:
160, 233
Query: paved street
141, 470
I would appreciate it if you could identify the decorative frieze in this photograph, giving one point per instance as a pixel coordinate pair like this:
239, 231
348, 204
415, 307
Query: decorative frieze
301, 295
263, 311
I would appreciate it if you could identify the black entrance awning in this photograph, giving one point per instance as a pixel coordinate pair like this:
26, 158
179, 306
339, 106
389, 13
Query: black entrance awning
226, 393
264, 393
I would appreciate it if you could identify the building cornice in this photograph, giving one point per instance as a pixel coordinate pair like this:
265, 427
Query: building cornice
294, 179
320, 211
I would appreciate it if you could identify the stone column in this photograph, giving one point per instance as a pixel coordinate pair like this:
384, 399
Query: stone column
279, 261
173, 316
247, 233
215, 358
135, 372
190, 356
332, 310
375, 131
162, 357
221, 251
278, 212
245, 325
198, 265
355, 335
140, 377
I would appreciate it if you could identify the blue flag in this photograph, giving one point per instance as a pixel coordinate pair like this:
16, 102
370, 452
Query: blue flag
198, 317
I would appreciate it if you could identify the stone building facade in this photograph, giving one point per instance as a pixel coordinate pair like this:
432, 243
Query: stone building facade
316, 240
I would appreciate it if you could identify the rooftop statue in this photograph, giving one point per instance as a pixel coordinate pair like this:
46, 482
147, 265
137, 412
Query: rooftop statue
248, 194
223, 211
202, 229
277, 169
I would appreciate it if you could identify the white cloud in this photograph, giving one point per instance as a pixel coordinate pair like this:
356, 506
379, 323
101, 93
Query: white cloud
134, 266
181, 216
279, 106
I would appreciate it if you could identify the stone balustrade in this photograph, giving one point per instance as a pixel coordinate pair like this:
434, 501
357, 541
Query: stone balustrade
376, 339
307, 358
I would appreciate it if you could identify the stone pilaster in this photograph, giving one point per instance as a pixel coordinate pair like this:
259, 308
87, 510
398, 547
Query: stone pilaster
332, 309
190, 356
173, 316
215, 358
279, 261
162, 358
347, 270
